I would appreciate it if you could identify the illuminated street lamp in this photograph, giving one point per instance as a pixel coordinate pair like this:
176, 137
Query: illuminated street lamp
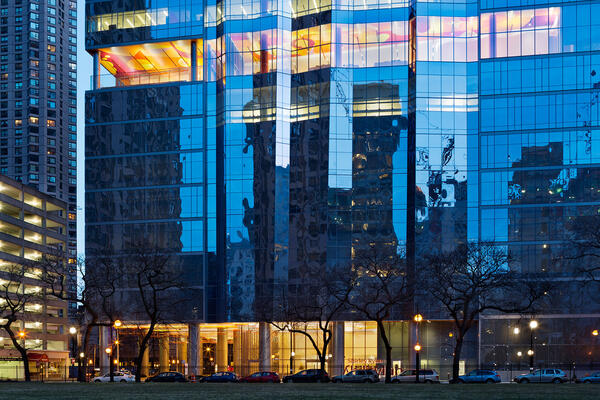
118, 323
533, 324
111, 371
595, 332
417, 318
418, 360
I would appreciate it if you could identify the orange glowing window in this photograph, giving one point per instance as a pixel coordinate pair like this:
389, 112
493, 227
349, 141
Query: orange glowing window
150, 62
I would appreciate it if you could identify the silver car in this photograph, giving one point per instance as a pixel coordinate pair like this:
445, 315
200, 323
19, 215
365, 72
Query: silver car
357, 376
410, 376
543, 376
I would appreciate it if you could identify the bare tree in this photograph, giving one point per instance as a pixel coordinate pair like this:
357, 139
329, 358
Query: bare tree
15, 298
93, 292
379, 288
583, 250
153, 278
475, 278
321, 304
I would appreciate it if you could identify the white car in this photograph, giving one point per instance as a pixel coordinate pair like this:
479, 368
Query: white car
410, 375
118, 377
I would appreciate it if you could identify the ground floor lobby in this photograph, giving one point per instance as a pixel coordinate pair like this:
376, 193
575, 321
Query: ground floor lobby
495, 342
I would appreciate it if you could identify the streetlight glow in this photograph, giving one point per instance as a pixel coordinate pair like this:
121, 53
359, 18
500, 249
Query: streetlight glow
533, 324
418, 318
417, 347
21, 334
529, 352
595, 332
72, 330
81, 355
118, 323
519, 353
516, 330
108, 350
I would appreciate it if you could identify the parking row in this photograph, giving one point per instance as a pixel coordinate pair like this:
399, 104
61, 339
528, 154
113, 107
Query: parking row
428, 376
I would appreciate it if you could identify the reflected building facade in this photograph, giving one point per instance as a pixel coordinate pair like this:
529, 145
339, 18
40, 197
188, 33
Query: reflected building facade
261, 141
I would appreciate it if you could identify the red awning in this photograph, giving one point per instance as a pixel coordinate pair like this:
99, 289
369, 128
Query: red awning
38, 357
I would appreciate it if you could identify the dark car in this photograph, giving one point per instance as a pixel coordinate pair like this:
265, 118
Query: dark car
221, 377
262, 377
167, 377
357, 376
308, 375
593, 378
480, 376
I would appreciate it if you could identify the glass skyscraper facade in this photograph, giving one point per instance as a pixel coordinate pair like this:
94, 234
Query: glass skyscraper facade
261, 140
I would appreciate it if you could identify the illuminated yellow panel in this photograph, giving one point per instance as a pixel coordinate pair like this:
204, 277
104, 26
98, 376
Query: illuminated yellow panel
150, 62
127, 20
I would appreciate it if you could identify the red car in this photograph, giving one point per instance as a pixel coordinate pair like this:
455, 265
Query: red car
262, 377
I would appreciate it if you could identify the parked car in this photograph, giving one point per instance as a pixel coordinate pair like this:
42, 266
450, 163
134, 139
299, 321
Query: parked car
357, 376
593, 378
170, 376
307, 375
118, 377
262, 377
480, 376
410, 375
221, 377
543, 376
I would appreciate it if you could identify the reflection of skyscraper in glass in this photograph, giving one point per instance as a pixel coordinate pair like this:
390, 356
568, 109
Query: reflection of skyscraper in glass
262, 141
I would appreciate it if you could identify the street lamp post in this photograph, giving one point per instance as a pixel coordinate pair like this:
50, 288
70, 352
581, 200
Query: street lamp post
417, 318
533, 324
418, 361
111, 370
73, 332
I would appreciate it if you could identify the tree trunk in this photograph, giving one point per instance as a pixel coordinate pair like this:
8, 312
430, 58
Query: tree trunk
388, 352
22, 351
140, 357
82, 369
456, 360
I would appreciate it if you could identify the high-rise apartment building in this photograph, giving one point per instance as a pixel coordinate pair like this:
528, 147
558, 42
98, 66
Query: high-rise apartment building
38, 100
259, 140
31, 225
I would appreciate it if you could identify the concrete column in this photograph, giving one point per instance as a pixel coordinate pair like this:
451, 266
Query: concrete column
104, 339
192, 350
284, 353
146, 362
264, 346
163, 353
237, 351
337, 367
221, 356
182, 354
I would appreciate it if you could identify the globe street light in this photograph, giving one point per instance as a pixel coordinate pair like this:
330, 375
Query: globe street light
418, 360
533, 324
417, 318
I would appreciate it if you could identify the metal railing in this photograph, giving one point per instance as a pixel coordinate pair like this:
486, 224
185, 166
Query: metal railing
142, 78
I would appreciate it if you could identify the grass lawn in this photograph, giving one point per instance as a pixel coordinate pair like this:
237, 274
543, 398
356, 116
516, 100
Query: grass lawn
120, 391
